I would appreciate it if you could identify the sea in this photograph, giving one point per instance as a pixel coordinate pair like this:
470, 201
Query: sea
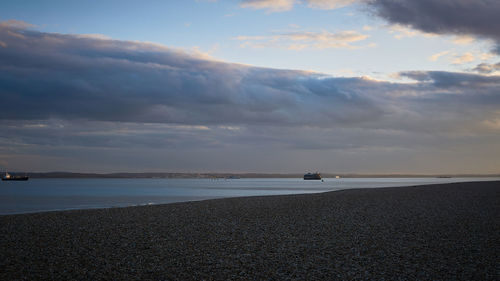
42, 195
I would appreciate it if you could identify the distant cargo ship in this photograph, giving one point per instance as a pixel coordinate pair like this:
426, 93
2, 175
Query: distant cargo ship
312, 176
9, 177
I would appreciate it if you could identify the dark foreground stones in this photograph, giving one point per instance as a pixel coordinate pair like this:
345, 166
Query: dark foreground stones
436, 232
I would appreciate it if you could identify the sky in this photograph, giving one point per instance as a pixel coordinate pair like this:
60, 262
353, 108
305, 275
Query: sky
284, 86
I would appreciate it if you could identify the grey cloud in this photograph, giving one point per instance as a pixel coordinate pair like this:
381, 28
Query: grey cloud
470, 92
73, 77
112, 146
444, 79
99, 134
473, 17
134, 100
487, 67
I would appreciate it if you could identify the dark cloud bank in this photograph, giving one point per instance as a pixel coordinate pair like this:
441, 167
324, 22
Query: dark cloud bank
61, 92
460, 17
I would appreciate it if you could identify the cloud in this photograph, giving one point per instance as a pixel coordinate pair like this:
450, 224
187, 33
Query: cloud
473, 85
461, 17
269, 5
299, 40
465, 19
329, 4
486, 56
487, 67
74, 77
287, 5
464, 58
15, 24
436, 56
89, 101
463, 40
400, 32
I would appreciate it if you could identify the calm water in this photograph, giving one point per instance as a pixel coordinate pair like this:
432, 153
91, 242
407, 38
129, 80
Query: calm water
38, 195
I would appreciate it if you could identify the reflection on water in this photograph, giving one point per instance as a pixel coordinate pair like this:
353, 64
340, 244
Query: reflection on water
38, 195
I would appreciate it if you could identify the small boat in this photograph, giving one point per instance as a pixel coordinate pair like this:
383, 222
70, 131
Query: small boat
9, 177
312, 176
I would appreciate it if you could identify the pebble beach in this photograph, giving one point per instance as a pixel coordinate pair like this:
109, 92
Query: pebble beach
433, 232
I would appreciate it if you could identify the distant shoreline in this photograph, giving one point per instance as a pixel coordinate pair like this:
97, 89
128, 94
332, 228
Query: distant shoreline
238, 175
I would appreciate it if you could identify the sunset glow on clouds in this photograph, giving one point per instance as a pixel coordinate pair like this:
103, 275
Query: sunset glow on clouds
302, 40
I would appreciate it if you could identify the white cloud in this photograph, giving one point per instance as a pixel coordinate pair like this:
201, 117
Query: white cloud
329, 4
269, 5
464, 58
435, 57
400, 31
286, 5
486, 56
463, 40
305, 40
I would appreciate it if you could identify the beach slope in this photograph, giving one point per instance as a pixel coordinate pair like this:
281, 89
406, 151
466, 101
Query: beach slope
448, 231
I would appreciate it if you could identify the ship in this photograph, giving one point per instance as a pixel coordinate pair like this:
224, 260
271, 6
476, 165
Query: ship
312, 176
9, 177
